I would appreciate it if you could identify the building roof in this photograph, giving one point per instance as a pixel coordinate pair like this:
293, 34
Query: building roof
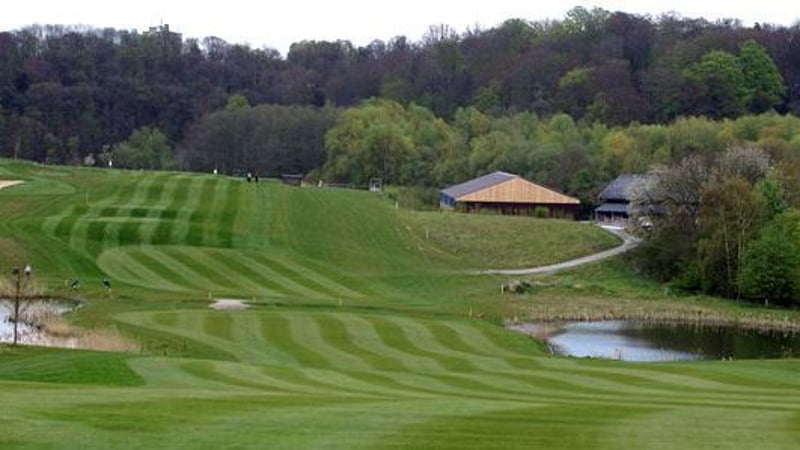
477, 184
619, 189
502, 187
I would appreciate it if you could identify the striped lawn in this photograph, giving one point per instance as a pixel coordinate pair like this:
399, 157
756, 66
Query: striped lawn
359, 335
341, 379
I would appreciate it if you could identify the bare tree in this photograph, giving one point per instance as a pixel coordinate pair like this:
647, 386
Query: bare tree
745, 161
20, 284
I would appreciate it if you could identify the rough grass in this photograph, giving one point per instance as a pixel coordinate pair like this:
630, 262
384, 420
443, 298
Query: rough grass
502, 242
362, 333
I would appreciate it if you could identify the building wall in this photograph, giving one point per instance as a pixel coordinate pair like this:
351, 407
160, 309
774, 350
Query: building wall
446, 202
556, 210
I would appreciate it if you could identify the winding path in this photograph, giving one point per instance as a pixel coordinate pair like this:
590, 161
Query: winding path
628, 242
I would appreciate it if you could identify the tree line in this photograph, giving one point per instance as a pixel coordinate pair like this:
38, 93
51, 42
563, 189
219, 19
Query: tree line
726, 223
70, 92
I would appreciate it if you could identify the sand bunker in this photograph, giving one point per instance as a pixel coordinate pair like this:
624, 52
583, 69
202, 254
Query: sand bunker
228, 304
9, 183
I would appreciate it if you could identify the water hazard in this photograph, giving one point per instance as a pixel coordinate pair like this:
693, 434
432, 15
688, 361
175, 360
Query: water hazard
30, 313
648, 341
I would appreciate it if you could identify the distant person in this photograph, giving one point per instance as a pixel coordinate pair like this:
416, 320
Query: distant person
106, 283
255, 178
249, 176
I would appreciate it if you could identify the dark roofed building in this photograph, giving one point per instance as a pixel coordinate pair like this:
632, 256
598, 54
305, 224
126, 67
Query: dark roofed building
507, 193
616, 198
292, 179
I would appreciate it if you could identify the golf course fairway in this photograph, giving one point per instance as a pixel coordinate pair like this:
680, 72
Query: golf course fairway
361, 331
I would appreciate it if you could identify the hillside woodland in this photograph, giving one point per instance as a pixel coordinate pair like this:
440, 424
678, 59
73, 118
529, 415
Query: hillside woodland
709, 107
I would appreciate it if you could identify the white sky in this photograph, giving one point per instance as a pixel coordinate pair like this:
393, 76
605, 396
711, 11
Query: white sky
278, 24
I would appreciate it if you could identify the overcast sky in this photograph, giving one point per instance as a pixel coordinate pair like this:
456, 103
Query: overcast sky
278, 24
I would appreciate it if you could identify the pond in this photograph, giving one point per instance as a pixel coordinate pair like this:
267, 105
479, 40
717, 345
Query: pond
650, 341
30, 313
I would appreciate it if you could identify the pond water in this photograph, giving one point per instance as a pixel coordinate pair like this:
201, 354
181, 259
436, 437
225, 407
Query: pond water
29, 311
649, 341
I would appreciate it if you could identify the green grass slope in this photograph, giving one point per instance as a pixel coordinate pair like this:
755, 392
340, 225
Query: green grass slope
359, 334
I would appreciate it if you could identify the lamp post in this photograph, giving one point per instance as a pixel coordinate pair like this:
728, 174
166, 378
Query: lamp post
17, 275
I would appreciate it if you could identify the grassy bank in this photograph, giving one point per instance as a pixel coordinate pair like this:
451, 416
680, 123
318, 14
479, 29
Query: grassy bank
362, 331
500, 242
610, 290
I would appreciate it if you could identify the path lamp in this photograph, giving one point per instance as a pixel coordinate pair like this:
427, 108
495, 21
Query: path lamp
17, 277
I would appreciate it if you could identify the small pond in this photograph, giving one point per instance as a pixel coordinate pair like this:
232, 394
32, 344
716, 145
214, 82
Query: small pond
30, 312
649, 341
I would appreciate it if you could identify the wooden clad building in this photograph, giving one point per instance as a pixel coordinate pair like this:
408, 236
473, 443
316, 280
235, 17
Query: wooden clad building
507, 193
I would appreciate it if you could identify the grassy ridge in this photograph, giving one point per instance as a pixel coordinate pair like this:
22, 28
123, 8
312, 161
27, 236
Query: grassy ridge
361, 334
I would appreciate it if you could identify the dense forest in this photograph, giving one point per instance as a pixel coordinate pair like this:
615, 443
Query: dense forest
68, 92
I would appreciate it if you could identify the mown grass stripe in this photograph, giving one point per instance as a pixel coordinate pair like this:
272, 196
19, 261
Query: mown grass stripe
247, 333
127, 191
370, 383
305, 330
416, 331
93, 231
125, 231
276, 330
298, 283
156, 189
213, 260
246, 268
325, 387
249, 377
364, 333
215, 208
185, 209
545, 383
253, 218
318, 279
433, 383
196, 280
218, 325
147, 276
199, 213
386, 384
116, 261
51, 225
361, 286
336, 334
151, 259
189, 326
157, 207
451, 339
165, 378
226, 221
163, 233
479, 341
289, 286
198, 262
523, 387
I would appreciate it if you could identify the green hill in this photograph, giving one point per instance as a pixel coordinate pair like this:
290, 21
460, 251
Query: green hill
360, 333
